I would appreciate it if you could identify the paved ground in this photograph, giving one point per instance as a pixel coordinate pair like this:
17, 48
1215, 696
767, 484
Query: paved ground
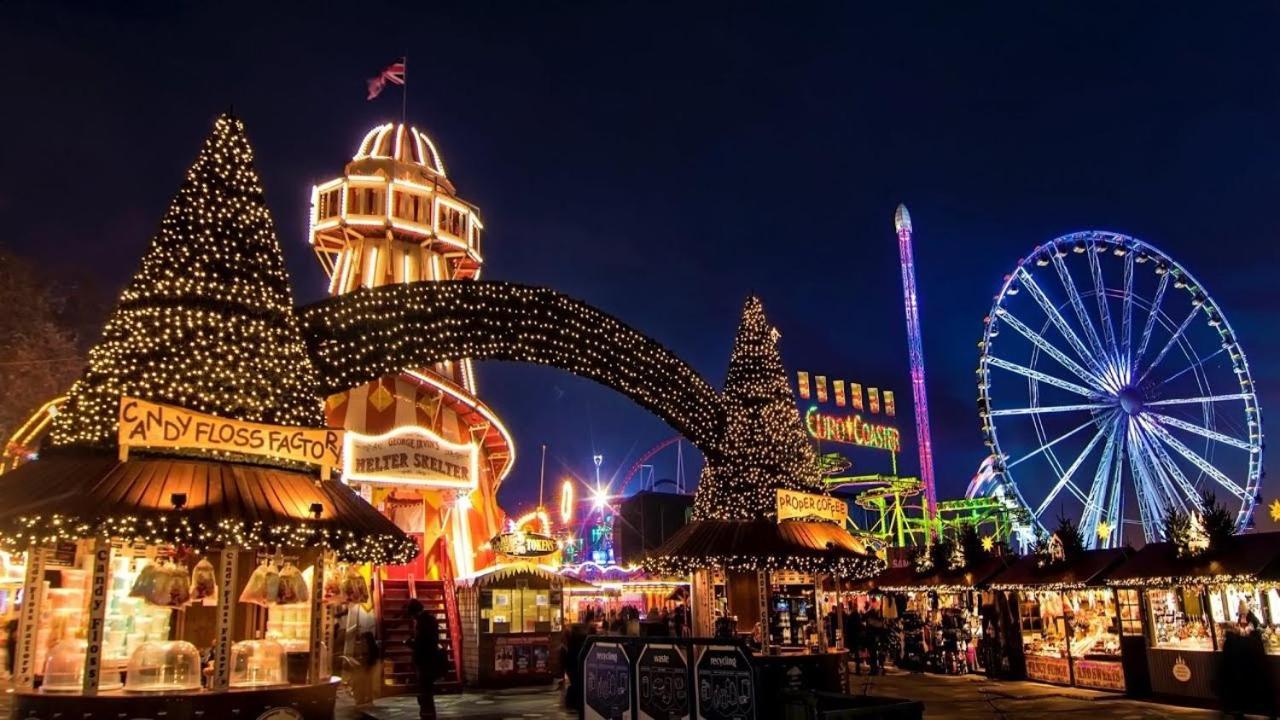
945, 698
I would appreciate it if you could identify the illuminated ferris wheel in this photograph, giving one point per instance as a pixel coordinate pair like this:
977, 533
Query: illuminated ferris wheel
1112, 389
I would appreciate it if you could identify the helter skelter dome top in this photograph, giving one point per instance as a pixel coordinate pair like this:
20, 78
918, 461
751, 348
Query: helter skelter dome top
402, 143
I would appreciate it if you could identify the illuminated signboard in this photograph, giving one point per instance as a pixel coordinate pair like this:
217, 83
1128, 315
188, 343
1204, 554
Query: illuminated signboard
524, 544
794, 505
411, 455
851, 429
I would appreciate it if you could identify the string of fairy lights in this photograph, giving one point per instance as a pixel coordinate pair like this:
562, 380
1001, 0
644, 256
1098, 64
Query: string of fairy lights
360, 336
764, 447
207, 322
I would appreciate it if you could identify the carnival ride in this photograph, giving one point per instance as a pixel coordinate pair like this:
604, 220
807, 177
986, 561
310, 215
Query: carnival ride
24, 444
1111, 387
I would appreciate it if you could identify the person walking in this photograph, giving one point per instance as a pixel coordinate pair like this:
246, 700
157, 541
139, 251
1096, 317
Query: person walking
874, 634
853, 636
428, 661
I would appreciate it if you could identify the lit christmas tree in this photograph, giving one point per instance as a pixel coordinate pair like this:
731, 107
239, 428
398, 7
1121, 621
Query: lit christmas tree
207, 322
764, 447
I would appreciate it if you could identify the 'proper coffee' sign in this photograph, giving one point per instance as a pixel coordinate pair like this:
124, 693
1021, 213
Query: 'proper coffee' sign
412, 455
152, 425
794, 505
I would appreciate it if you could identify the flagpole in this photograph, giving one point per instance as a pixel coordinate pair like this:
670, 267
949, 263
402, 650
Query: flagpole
404, 89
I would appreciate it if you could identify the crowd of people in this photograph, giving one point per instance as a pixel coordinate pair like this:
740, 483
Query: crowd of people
866, 634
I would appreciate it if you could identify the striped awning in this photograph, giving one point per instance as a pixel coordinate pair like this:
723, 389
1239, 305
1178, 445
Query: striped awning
84, 495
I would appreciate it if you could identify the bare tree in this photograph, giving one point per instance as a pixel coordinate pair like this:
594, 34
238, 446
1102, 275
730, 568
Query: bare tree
38, 355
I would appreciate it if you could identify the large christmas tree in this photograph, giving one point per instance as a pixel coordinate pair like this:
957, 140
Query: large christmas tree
763, 447
207, 322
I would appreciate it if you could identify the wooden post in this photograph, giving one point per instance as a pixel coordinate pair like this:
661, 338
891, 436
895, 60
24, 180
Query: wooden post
701, 594
317, 645
823, 645
29, 618
228, 567
98, 585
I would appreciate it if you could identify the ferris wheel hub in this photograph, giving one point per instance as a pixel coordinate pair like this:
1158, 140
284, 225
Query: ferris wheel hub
1131, 400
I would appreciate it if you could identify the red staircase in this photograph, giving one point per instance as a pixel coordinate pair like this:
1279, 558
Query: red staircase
397, 658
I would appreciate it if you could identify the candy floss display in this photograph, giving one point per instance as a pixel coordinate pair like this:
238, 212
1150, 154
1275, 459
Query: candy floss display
180, 524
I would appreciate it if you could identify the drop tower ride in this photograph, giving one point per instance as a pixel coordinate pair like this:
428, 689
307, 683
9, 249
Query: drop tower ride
915, 351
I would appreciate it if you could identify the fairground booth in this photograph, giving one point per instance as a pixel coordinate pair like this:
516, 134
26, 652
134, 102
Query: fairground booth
421, 446
185, 548
512, 625
935, 610
755, 522
1188, 598
1071, 623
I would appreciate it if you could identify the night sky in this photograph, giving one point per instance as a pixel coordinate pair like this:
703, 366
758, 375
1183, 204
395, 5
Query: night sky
663, 161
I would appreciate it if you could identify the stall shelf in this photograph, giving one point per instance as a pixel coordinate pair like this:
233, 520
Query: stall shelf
1070, 621
938, 613
1181, 606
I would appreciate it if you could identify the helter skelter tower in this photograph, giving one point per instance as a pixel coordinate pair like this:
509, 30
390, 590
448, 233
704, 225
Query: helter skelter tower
915, 351
395, 217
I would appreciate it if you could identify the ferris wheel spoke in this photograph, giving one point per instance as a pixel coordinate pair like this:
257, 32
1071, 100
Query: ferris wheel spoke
1126, 319
1173, 340
1065, 480
1204, 432
1149, 504
1202, 399
1100, 293
1177, 486
1050, 409
1151, 320
1077, 304
1192, 366
1059, 321
1042, 377
1196, 460
1048, 348
1098, 490
1087, 423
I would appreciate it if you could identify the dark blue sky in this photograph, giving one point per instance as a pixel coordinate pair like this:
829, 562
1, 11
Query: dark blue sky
662, 161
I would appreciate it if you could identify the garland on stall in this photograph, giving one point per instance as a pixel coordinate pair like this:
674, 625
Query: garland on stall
175, 529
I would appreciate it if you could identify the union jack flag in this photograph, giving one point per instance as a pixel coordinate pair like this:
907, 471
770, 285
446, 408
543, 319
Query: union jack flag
393, 73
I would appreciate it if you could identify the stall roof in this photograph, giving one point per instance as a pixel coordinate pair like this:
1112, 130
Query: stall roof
1241, 558
94, 494
507, 571
1087, 568
804, 546
907, 579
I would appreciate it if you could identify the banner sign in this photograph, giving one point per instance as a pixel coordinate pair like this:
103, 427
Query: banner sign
852, 430
524, 544
412, 455
227, 567
97, 617
29, 618
152, 425
794, 505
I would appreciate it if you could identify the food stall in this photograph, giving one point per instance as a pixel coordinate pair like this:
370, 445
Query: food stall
150, 582
1069, 619
748, 555
1177, 608
935, 613
512, 625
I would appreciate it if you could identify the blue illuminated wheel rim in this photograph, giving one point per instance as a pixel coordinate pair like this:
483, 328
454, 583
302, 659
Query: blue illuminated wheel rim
1112, 389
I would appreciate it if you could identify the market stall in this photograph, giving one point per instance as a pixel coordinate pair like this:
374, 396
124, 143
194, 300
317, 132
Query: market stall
181, 530
934, 613
1069, 619
512, 625
1179, 607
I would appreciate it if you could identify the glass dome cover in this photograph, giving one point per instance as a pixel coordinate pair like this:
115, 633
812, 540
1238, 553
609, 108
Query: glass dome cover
255, 663
164, 667
64, 669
